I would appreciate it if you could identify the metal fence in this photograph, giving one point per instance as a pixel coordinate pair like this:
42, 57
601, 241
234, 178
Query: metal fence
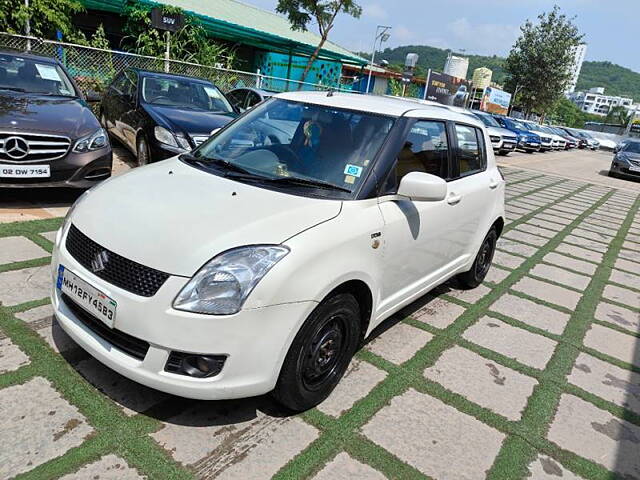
94, 68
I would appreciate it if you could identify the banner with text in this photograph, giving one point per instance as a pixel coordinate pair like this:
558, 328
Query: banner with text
495, 100
448, 90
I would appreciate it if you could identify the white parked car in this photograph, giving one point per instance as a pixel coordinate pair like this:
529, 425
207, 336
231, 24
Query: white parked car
251, 266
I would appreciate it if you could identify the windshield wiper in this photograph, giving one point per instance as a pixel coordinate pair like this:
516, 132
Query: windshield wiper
218, 162
14, 89
308, 183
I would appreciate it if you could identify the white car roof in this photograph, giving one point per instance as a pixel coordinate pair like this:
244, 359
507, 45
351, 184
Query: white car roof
384, 105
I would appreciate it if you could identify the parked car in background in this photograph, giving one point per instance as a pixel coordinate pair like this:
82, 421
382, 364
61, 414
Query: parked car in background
626, 161
49, 136
245, 98
528, 141
570, 140
580, 142
160, 115
558, 142
588, 141
260, 267
621, 144
546, 139
503, 141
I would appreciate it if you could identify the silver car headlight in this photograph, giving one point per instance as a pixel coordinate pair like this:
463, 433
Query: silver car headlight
95, 141
222, 285
165, 136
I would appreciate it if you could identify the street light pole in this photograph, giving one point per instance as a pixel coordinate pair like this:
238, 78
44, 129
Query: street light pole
27, 26
383, 36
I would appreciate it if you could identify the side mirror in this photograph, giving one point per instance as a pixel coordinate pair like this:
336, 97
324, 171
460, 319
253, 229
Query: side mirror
420, 186
92, 96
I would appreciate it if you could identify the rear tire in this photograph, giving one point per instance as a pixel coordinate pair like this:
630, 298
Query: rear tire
142, 151
320, 353
481, 264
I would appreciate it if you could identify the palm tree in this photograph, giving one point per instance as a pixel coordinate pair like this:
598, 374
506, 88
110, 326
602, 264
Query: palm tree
618, 116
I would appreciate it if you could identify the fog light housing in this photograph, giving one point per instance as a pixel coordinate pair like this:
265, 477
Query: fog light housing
195, 365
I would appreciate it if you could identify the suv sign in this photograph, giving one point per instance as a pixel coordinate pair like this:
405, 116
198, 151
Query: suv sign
171, 22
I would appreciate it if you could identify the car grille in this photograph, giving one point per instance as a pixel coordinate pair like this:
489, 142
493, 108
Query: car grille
122, 341
510, 139
113, 268
32, 147
634, 162
545, 139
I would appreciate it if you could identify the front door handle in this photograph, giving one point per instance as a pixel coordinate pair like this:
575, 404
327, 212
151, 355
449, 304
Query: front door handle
454, 199
493, 184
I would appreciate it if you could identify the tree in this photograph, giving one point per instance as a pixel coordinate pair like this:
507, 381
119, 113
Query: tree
618, 116
46, 17
323, 12
190, 44
539, 64
565, 112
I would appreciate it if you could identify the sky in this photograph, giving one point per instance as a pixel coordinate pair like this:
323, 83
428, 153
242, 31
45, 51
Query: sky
488, 27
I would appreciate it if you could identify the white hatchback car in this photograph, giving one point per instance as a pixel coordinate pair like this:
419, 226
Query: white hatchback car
262, 260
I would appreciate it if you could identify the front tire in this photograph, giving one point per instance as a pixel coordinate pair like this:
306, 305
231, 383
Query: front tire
481, 264
320, 353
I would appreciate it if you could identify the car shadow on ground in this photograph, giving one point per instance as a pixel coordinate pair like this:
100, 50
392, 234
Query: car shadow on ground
134, 398
605, 173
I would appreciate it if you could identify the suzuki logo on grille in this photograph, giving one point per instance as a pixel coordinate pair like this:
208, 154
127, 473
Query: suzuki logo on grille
99, 262
16, 147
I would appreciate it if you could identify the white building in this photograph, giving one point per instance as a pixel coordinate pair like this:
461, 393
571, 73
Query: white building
579, 53
456, 66
595, 101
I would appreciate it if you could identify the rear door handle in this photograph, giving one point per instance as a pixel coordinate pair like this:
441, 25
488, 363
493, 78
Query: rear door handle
493, 184
454, 199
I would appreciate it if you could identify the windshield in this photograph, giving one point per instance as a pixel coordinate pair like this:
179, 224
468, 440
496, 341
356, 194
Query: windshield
284, 141
632, 147
488, 120
184, 93
517, 125
31, 76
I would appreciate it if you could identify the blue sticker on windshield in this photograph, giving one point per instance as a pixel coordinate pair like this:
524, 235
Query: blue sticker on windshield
353, 170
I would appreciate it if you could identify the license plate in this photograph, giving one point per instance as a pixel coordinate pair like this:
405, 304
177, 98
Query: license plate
25, 171
633, 168
88, 297
508, 145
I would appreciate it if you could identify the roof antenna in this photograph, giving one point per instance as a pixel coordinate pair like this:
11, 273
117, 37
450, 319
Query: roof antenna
330, 92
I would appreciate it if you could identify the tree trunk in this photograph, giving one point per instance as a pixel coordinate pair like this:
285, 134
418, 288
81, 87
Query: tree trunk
312, 59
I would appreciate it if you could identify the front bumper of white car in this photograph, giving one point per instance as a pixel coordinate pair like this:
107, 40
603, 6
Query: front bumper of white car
150, 339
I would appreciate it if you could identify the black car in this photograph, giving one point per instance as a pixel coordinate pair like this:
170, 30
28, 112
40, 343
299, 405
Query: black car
49, 136
159, 115
626, 161
245, 98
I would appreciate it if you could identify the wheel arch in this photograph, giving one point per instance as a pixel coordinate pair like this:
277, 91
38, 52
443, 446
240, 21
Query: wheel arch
363, 295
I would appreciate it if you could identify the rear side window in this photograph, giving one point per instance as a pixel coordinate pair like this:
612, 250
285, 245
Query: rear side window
471, 151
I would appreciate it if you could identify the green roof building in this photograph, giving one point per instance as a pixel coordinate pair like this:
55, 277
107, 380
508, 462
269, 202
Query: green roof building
252, 31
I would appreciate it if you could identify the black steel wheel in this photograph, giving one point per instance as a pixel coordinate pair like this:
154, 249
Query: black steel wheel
482, 263
320, 353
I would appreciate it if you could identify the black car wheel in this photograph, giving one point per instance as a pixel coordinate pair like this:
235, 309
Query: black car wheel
320, 353
142, 151
481, 264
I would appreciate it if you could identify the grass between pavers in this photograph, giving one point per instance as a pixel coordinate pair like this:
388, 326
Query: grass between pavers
129, 438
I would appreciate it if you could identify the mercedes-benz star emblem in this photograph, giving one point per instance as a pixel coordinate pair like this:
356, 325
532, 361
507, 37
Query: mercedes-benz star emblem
99, 262
16, 147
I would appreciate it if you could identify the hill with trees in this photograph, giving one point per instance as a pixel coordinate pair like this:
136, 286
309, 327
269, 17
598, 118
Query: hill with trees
616, 80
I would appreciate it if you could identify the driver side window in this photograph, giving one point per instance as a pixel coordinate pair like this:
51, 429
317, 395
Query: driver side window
426, 149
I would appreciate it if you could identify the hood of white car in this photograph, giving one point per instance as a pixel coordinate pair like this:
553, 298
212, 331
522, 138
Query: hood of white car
501, 131
175, 218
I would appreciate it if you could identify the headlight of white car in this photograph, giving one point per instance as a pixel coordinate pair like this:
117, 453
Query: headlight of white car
222, 285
